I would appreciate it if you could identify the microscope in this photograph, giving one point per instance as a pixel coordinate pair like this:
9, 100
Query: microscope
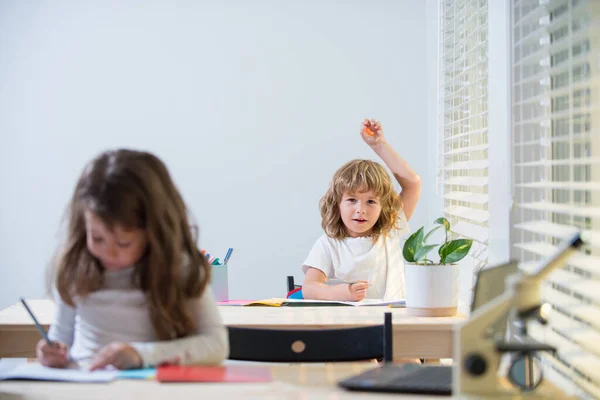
478, 352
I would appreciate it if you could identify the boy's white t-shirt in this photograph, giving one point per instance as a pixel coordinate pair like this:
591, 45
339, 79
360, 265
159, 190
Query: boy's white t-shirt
350, 259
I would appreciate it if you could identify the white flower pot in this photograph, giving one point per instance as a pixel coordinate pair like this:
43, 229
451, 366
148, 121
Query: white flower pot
432, 290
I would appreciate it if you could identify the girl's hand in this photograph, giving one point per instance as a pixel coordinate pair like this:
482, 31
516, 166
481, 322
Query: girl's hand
52, 356
372, 132
358, 290
119, 355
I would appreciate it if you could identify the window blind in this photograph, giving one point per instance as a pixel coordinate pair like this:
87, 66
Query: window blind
463, 123
555, 90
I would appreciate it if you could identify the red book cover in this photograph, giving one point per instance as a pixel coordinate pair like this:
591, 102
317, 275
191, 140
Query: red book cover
233, 373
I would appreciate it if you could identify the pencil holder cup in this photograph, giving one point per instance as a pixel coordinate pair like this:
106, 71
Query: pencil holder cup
219, 283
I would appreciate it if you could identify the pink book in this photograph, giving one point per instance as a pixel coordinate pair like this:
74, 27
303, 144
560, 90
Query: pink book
233, 373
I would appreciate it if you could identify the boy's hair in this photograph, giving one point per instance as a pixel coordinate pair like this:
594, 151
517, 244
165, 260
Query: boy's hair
359, 176
134, 189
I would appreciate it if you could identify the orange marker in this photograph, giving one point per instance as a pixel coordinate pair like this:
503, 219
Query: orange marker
369, 132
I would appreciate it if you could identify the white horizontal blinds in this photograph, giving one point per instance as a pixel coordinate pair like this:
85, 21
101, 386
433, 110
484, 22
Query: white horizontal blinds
556, 174
464, 116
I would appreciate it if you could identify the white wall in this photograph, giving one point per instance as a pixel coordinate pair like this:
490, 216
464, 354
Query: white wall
252, 105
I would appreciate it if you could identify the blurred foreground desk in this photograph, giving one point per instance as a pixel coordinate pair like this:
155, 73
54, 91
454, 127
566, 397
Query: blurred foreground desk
290, 381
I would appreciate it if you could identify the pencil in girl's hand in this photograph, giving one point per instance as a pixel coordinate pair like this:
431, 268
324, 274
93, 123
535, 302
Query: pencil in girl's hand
332, 282
369, 132
37, 324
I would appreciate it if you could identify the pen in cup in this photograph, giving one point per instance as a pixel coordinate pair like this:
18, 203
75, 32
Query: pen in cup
227, 255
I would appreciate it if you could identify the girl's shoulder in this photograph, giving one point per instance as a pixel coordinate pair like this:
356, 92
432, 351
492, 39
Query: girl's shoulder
328, 243
187, 265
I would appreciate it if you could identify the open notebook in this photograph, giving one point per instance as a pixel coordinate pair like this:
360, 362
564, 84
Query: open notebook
37, 372
278, 302
20, 369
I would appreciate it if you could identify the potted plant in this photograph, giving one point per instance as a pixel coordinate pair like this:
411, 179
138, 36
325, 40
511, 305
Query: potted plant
432, 287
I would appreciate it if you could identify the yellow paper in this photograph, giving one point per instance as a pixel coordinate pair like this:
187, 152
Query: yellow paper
273, 302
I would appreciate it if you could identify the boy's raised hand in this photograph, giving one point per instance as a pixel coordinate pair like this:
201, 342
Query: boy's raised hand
358, 290
52, 356
119, 355
371, 131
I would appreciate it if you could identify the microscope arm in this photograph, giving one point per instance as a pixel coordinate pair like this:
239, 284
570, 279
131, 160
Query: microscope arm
561, 257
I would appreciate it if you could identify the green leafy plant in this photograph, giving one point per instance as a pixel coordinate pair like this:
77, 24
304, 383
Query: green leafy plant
416, 248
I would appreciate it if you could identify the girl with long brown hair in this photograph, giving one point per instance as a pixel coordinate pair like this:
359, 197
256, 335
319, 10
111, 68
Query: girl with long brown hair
130, 284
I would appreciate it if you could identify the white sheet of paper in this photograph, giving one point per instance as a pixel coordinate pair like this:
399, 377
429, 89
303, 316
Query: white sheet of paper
377, 302
366, 302
37, 372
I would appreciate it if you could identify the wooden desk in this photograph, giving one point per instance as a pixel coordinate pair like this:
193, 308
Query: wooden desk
290, 381
414, 337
